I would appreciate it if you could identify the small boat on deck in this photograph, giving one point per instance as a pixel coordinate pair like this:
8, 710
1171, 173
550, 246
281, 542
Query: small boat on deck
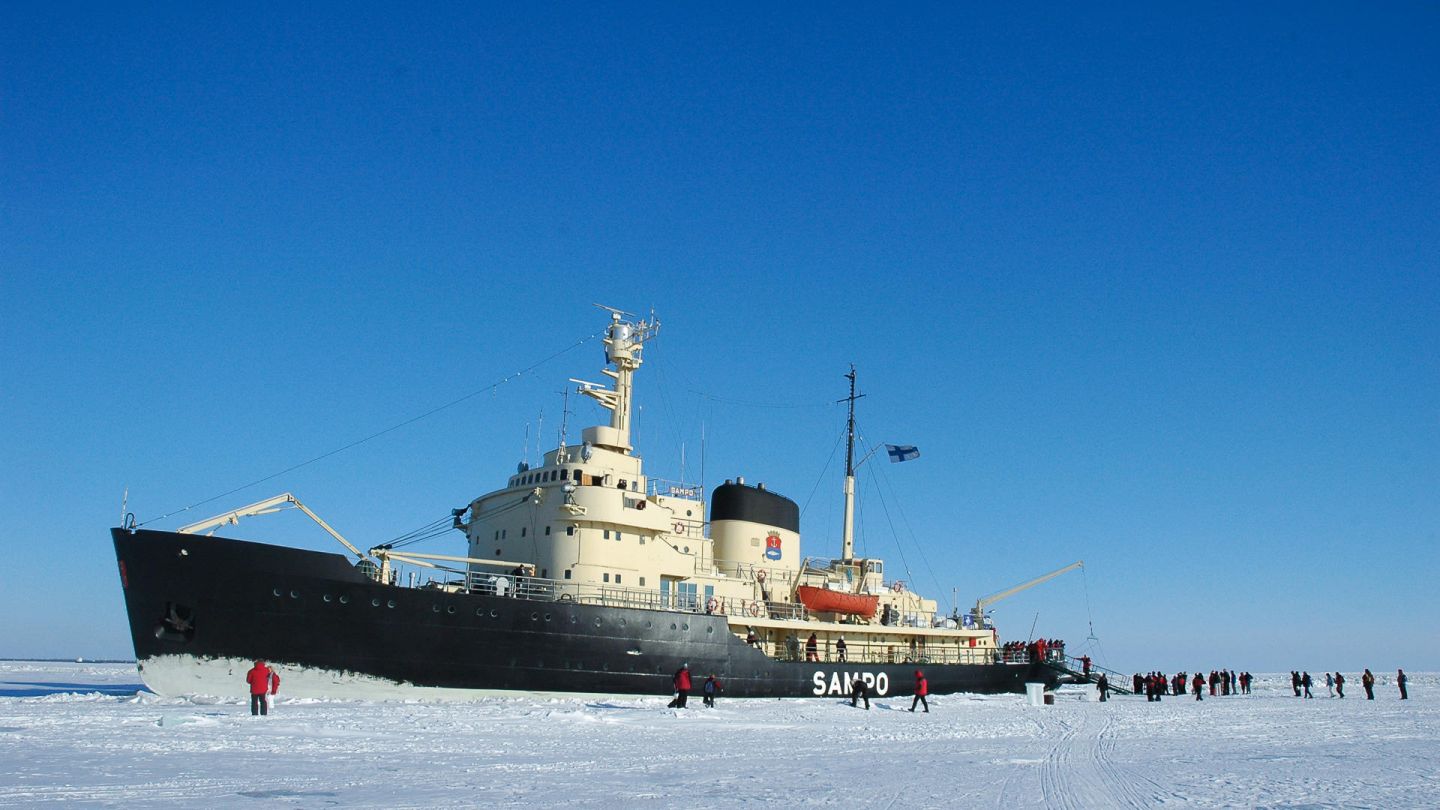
825, 600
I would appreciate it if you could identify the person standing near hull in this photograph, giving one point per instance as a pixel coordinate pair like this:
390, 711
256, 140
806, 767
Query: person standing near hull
263, 681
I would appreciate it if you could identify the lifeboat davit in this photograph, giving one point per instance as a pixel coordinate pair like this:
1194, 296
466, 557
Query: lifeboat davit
824, 600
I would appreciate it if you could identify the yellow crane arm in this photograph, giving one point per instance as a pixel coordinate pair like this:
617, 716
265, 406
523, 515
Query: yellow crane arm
267, 507
987, 601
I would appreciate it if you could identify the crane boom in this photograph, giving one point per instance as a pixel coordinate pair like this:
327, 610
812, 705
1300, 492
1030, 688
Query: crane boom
267, 507
985, 602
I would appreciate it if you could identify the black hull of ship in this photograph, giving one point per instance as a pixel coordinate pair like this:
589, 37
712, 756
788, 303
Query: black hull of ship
208, 598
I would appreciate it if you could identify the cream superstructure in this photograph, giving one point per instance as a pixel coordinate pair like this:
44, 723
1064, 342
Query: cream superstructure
587, 523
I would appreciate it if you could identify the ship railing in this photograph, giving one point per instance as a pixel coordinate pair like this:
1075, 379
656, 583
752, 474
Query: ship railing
674, 489
859, 652
541, 589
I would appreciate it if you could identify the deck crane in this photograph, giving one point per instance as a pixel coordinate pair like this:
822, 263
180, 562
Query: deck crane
978, 614
267, 507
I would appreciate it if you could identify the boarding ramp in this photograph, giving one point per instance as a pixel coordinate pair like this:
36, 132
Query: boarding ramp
1074, 671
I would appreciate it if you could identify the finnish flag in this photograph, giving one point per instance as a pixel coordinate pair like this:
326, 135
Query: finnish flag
902, 452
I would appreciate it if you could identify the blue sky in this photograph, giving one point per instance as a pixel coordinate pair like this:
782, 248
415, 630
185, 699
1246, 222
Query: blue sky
1152, 286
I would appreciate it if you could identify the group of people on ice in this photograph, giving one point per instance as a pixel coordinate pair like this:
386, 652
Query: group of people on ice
1222, 682
1335, 684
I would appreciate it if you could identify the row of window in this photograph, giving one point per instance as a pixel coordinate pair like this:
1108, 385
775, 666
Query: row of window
500, 533
562, 474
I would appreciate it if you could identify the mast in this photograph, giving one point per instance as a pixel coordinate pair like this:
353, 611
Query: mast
623, 343
847, 531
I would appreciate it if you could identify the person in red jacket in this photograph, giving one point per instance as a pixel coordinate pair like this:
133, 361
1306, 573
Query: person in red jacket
1199, 684
922, 688
682, 686
262, 680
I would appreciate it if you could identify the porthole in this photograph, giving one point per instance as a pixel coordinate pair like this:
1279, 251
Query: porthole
573, 618
684, 627
709, 629
547, 617
294, 594
673, 627
433, 608
374, 603
479, 611
649, 624
344, 600
390, 603
277, 592
494, 614
597, 621
534, 617
622, 622
326, 597
450, 609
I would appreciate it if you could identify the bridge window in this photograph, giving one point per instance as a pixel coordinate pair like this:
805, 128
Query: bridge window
607, 534
522, 530
547, 531
607, 577
564, 475
567, 573
617, 579
642, 582
570, 530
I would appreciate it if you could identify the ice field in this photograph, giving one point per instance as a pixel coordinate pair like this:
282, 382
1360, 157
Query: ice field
81, 735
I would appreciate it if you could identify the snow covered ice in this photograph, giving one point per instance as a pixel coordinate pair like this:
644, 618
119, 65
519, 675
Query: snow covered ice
86, 735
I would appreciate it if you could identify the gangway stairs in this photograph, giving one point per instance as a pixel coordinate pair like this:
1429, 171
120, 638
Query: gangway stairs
1119, 682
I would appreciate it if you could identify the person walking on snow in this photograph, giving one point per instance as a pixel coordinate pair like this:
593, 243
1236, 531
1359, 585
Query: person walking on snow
1305, 682
1340, 684
682, 686
922, 688
262, 680
1330, 684
1368, 681
710, 689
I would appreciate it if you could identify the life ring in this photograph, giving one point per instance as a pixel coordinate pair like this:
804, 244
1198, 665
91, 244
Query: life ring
712, 605
897, 586
760, 575
679, 527
753, 609
565, 597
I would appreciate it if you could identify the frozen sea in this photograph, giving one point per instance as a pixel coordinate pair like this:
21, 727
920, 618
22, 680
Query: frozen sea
88, 735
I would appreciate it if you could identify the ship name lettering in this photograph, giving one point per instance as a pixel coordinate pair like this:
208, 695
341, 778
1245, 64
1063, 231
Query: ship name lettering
840, 683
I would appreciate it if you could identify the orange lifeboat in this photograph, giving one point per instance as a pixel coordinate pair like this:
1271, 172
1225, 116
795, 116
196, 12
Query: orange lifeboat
824, 600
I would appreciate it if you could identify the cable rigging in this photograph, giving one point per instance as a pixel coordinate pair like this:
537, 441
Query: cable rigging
489, 388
